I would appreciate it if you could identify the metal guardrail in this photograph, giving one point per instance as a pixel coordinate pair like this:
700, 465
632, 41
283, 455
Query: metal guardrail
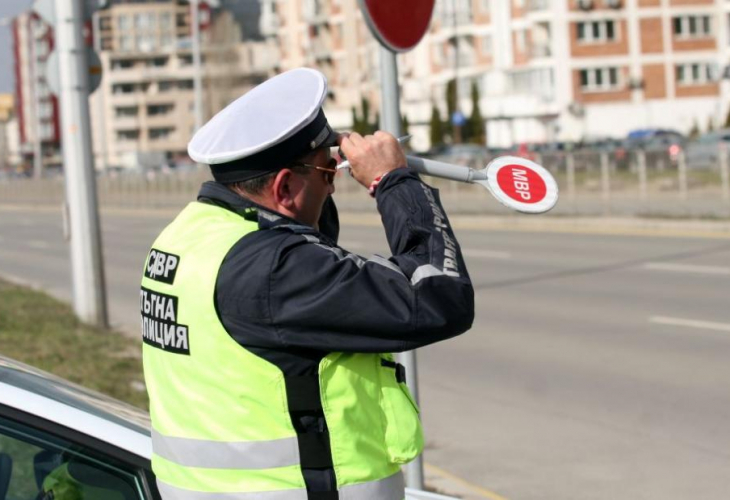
591, 183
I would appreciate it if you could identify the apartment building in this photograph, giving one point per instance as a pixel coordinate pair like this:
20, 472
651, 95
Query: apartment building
329, 35
546, 69
143, 113
36, 109
572, 69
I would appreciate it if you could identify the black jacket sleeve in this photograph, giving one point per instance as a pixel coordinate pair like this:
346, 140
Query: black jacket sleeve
312, 294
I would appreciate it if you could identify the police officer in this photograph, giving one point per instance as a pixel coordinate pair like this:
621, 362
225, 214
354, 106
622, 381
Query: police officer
266, 345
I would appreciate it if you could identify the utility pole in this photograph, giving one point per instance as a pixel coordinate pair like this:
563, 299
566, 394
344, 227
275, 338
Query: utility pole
87, 267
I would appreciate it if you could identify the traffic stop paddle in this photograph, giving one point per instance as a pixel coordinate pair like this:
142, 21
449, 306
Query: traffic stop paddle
517, 183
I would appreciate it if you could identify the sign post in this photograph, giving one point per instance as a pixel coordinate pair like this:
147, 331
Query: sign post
385, 19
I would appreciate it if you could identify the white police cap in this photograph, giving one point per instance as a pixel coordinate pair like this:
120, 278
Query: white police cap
266, 128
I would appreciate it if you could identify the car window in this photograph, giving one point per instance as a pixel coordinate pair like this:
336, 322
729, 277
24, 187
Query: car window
37, 466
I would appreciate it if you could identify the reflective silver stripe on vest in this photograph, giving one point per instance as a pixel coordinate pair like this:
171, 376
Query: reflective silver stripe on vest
390, 488
226, 455
168, 492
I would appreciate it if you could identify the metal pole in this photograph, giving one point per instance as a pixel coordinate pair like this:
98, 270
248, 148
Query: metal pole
391, 122
86, 251
641, 159
682, 172
197, 64
38, 144
605, 183
725, 174
101, 113
570, 167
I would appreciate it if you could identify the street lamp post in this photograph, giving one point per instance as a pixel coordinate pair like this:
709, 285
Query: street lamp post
197, 63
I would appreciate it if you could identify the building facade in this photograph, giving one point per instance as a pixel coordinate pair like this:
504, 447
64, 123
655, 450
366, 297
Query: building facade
546, 69
36, 108
144, 111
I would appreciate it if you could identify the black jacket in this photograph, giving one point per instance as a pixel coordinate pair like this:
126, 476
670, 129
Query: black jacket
290, 287
290, 295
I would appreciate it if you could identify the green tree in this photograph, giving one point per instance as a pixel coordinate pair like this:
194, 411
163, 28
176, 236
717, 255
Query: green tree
450, 108
436, 127
474, 129
361, 121
694, 132
405, 125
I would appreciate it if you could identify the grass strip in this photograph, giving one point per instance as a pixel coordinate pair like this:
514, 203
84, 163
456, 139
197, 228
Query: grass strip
41, 331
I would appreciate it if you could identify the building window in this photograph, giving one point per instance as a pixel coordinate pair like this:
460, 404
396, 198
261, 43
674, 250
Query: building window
123, 88
145, 43
597, 31
122, 63
696, 73
126, 111
156, 62
145, 21
125, 43
521, 41
692, 26
160, 133
166, 20
599, 79
487, 45
128, 135
167, 41
124, 23
159, 109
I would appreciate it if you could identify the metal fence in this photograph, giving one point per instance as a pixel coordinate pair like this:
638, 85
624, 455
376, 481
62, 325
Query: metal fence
591, 183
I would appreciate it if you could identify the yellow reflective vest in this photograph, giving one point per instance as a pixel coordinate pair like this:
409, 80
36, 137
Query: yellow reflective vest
221, 419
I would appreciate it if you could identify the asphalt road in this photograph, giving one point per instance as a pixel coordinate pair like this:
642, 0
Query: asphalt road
597, 367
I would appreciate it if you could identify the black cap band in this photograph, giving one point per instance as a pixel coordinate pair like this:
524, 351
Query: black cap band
277, 156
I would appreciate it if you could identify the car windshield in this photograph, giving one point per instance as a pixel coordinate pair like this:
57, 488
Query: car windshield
52, 387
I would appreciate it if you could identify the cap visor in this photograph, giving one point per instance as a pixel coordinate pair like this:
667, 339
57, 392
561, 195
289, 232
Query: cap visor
331, 140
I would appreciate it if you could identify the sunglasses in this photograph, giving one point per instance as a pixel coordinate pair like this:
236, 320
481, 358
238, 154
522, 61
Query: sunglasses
329, 171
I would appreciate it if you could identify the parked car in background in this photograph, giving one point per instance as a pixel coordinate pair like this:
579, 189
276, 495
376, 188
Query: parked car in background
704, 152
78, 444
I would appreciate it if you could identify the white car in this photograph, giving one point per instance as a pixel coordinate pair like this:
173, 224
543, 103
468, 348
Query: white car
51, 428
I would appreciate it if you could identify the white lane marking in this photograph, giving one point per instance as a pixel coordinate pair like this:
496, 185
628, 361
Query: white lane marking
38, 244
692, 323
687, 268
486, 254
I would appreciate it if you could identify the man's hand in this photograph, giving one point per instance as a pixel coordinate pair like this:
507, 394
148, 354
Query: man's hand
371, 156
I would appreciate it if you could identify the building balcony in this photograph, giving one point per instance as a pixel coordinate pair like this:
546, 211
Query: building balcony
538, 5
540, 51
126, 122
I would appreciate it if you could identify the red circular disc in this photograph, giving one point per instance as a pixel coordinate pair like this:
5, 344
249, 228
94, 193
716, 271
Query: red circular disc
522, 184
398, 24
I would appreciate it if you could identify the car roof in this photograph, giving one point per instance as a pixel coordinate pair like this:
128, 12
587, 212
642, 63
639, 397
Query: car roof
52, 398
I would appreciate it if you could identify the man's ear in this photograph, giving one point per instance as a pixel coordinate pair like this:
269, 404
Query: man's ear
282, 189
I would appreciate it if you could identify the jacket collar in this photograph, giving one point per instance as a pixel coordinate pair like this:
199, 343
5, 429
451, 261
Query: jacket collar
218, 194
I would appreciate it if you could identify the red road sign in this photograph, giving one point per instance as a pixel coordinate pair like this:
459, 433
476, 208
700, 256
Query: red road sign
522, 184
398, 24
